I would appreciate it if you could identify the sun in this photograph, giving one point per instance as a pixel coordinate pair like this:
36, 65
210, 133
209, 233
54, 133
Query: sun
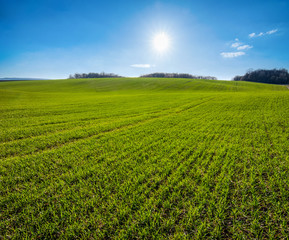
161, 42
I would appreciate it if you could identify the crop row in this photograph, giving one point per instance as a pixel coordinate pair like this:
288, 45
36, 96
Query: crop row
212, 167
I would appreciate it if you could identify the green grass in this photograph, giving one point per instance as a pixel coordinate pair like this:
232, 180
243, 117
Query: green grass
143, 158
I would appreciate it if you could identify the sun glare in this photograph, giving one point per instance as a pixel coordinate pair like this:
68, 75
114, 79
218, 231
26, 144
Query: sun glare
161, 42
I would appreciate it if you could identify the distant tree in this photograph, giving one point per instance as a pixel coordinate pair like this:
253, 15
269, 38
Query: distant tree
93, 75
176, 75
237, 78
275, 76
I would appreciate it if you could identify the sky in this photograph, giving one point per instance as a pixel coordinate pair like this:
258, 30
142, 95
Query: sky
55, 38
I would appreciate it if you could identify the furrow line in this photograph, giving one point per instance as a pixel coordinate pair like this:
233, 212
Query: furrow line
109, 131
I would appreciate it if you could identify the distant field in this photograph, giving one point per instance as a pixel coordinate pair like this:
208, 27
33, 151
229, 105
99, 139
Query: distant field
143, 158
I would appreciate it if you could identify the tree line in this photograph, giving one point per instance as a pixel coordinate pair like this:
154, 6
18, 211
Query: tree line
176, 75
93, 75
151, 75
274, 76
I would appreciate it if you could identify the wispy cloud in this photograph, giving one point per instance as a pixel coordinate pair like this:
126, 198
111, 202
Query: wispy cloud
232, 54
272, 31
244, 47
236, 44
240, 46
142, 65
253, 35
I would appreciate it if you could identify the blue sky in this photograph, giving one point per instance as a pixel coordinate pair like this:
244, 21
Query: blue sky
55, 38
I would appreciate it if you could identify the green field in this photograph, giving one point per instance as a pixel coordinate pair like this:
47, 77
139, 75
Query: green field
143, 159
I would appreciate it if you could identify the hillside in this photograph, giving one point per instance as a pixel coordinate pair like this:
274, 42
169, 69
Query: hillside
122, 85
143, 158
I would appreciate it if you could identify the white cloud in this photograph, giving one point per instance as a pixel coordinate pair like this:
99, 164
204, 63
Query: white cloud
244, 47
239, 46
236, 44
252, 35
272, 31
232, 54
141, 65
